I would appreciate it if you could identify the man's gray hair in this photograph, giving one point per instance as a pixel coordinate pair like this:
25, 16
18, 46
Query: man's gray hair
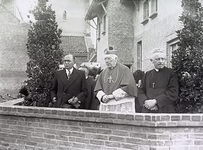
157, 51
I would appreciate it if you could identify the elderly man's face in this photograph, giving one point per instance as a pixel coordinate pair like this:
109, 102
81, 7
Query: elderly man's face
159, 61
110, 61
68, 61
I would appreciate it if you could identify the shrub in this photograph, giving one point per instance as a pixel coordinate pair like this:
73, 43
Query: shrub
187, 61
45, 54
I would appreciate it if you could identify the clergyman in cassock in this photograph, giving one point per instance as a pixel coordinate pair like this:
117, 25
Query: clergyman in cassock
115, 87
159, 89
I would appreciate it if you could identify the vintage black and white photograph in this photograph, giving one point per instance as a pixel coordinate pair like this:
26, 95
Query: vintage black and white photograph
101, 74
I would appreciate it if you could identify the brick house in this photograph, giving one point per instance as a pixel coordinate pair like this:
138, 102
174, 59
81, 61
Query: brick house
76, 32
135, 27
75, 45
13, 30
13, 56
155, 25
114, 28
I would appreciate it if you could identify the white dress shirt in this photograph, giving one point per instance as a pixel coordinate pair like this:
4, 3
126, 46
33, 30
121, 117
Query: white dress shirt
69, 72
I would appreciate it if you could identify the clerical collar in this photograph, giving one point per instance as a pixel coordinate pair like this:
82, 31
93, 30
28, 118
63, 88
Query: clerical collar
70, 70
157, 70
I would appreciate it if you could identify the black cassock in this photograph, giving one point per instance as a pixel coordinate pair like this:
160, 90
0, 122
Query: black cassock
161, 85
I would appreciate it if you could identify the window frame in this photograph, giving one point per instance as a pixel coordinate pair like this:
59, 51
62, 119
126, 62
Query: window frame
170, 49
154, 9
139, 55
99, 30
104, 24
145, 12
64, 15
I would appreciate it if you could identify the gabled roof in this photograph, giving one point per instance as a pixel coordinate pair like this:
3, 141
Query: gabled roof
74, 44
94, 9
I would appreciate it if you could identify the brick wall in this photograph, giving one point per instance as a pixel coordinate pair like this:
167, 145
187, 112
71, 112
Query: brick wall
64, 129
13, 53
121, 29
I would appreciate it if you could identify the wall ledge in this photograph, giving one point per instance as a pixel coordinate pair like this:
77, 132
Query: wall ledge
136, 119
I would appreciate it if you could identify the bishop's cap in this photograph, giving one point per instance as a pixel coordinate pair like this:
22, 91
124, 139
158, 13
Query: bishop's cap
110, 50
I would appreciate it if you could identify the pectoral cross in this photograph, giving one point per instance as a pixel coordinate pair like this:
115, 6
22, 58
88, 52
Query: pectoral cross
110, 79
153, 85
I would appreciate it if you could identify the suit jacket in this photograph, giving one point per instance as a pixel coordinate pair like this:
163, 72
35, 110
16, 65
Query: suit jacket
91, 101
64, 89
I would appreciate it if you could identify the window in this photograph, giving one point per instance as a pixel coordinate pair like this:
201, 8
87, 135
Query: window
99, 31
64, 15
139, 55
171, 46
154, 8
104, 25
146, 10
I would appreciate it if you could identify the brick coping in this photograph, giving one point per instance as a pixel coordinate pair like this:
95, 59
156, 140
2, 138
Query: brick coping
137, 119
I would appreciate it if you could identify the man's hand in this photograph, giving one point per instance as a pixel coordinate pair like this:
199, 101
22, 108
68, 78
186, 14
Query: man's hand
105, 99
150, 104
73, 100
154, 108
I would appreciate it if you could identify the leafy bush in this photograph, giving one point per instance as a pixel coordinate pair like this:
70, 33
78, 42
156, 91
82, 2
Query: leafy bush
187, 61
44, 53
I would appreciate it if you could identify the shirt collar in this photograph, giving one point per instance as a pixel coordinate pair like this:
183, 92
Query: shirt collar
70, 70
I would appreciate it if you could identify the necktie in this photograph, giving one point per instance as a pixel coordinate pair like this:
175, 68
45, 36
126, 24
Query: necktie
68, 73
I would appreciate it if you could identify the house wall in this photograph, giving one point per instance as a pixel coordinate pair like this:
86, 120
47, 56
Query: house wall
158, 31
38, 128
13, 39
102, 40
119, 32
76, 10
13, 53
74, 25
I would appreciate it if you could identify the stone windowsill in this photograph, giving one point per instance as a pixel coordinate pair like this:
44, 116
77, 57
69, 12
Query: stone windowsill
145, 21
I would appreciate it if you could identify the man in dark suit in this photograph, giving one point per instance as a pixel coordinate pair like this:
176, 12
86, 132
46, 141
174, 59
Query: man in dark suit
91, 101
90, 87
69, 88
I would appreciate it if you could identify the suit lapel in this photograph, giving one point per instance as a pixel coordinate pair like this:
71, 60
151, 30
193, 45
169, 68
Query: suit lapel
64, 77
72, 78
